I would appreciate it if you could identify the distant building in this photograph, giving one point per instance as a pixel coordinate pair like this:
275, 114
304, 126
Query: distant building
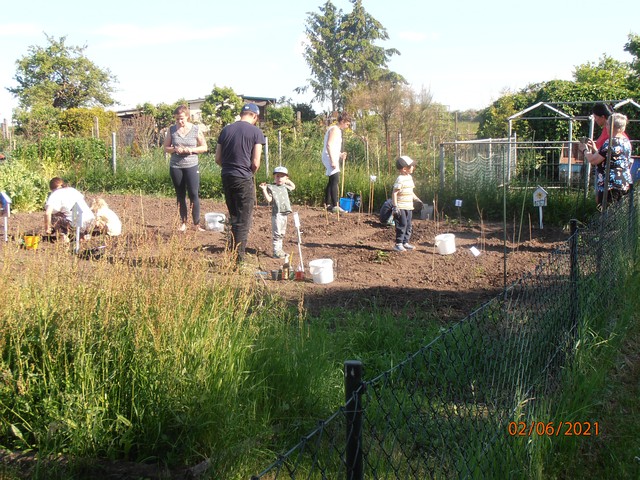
195, 107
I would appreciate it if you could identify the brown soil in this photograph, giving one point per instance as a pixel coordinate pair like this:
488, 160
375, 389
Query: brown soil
366, 269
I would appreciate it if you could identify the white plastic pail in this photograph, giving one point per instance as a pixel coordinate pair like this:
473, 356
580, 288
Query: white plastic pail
321, 270
214, 221
446, 243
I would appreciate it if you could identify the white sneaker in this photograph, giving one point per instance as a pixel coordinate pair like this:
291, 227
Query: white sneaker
399, 248
338, 210
408, 246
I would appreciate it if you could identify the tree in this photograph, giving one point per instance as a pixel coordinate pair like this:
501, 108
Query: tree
61, 76
323, 54
162, 113
220, 108
341, 52
633, 47
281, 117
366, 61
607, 71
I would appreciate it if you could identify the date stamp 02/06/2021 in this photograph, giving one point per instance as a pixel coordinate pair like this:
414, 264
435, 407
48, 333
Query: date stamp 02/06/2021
553, 429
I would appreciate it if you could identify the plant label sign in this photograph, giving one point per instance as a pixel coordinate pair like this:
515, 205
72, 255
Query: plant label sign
540, 197
78, 213
540, 200
5, 204
5, 211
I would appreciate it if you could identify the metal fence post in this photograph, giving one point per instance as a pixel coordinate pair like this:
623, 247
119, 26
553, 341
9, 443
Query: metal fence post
353, 410
113, 152
573, 275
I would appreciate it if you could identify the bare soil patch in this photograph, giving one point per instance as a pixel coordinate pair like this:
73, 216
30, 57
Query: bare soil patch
368, 273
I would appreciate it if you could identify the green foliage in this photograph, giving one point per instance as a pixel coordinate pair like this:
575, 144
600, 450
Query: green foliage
608, 71
342, 52
27, 188
220, 108
281, 117
80, 122
62, 77
38, 122
633, 47
607, 79
162, 112
307, 113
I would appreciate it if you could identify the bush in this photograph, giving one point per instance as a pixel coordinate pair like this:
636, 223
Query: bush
27, 188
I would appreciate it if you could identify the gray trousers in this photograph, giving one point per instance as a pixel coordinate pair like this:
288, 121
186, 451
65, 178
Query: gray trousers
279, 229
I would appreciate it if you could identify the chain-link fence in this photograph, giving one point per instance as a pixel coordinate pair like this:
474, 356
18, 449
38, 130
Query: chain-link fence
448, 411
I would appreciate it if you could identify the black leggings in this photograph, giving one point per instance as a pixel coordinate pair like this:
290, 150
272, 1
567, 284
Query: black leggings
186, 181
331, 191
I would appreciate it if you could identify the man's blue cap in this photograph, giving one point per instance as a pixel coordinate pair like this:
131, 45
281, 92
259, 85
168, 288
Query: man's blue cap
251, 107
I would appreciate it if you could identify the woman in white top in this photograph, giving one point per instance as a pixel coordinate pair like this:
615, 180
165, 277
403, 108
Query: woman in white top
58, 209
331, 157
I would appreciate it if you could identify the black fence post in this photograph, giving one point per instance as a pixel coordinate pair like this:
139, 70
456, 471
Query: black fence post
632, 224
573, 273
353, 410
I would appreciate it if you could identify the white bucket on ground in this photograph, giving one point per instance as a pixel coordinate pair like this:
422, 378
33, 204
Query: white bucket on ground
321, 270
214, 221
446, 243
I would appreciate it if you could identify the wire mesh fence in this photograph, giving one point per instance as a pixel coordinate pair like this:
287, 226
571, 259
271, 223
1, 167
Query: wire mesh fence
448, 410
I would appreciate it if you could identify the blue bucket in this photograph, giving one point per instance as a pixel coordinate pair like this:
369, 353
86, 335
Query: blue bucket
347, 204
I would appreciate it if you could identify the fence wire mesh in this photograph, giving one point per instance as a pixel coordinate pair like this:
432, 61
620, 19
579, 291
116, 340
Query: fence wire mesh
491, 162
444, 411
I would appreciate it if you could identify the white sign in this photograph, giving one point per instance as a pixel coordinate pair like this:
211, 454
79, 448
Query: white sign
540, 197
77, 214
458, 203
475, 251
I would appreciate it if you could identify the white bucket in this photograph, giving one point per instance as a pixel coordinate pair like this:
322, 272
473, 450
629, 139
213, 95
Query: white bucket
321, 270
214, 221
446, 243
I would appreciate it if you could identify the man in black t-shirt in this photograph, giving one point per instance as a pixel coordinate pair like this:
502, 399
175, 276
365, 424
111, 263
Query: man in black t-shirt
238, 153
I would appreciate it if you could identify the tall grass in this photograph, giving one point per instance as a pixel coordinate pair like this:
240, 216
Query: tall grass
156, 353
163, 355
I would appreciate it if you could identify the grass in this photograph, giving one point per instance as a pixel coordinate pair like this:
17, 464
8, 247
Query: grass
158, 354
604, 387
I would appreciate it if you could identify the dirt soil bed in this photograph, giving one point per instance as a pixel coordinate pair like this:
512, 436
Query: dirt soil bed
368, 273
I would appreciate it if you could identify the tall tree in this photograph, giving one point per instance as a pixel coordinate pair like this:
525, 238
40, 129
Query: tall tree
323, 54
365, 61
341, 52
61, 76
633, 47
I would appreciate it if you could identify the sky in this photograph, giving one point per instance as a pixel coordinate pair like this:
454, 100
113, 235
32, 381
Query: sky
466, 54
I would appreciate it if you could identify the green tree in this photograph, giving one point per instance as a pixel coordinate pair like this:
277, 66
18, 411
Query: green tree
162, 113
342, 52
61, 76
364, 60
323, 54
81, 122
633, 47
220, 108
281, 117
307, 113
607, 71
38, 122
